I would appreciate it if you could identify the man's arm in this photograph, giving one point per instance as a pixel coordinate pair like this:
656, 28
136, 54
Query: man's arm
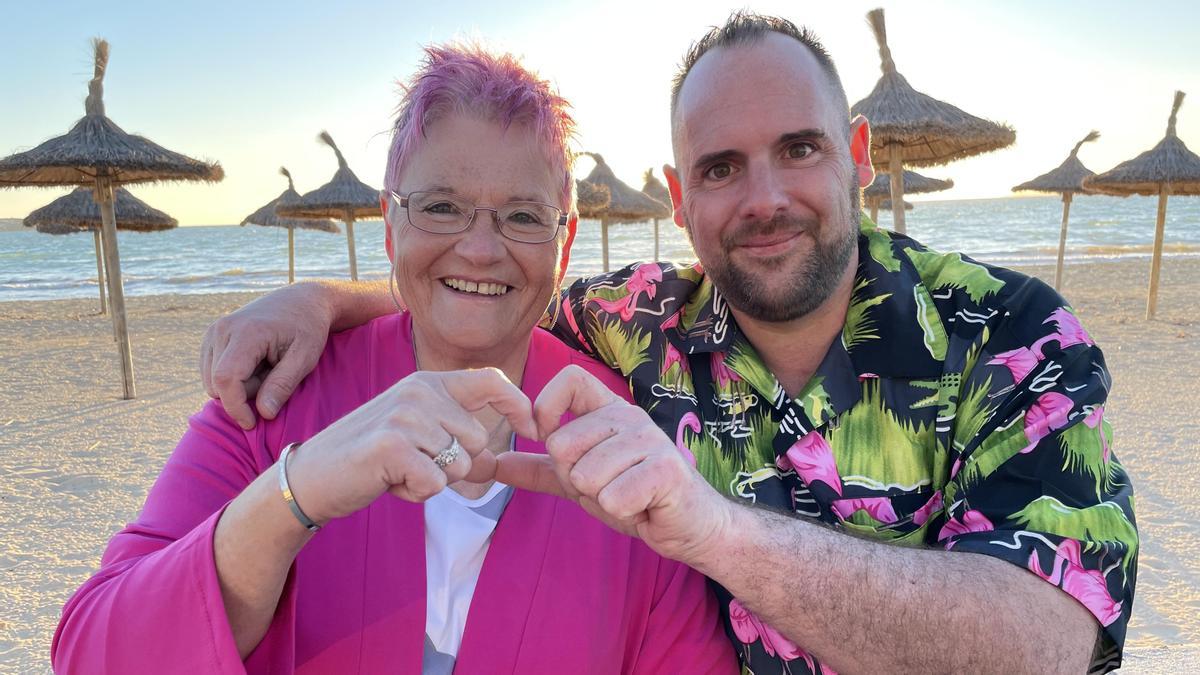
265, 349
857, 605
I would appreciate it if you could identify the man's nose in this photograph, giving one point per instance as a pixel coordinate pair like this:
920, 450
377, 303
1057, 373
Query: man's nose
765, 194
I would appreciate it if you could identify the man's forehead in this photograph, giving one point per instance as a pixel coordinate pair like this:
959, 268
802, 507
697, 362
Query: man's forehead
775, 72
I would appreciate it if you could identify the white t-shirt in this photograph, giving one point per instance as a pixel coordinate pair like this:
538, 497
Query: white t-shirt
457, 533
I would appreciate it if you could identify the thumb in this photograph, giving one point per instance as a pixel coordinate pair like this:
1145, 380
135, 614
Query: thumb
280, 383
531, 472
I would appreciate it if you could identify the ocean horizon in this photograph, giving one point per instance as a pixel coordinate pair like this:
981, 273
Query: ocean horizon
227, 258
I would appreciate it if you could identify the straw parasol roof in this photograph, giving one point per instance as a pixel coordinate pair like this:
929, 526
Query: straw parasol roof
1068, 177
344, 197
909, 128
1168, 168
1170, 164
267, 217
929, 132
590, 198
627, 205
653, 187
343, 194
79, 212
98, 152
914, 183
97, 146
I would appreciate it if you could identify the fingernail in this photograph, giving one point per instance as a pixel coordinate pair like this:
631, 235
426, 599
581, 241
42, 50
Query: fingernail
271, 406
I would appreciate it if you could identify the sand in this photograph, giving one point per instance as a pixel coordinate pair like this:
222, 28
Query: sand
76, 461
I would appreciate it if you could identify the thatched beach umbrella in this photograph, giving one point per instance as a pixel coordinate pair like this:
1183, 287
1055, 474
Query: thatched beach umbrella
909, 128
1066, 180
344, 198
1168, 168
267, 217
97, 152
626, 205
590, 198
79, 212
654, 188
878, 193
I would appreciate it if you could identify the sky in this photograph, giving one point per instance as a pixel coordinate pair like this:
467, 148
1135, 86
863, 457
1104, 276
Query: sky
251, 84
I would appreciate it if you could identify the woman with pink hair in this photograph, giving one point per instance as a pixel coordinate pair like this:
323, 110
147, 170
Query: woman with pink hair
361, 530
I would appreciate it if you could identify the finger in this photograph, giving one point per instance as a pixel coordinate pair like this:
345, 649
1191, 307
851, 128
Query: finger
282, 379
604, 462
422, 478
474, 389
482, 468
572, 390
641, 487
530, 472
231, 370
206, 352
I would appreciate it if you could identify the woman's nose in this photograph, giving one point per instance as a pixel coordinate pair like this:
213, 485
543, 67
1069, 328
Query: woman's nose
482, 241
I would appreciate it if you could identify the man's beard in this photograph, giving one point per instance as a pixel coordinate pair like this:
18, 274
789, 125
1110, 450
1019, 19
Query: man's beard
809, 286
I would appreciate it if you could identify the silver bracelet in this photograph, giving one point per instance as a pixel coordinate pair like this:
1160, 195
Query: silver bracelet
287, 490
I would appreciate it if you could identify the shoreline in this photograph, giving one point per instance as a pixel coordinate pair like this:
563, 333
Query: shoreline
76, 461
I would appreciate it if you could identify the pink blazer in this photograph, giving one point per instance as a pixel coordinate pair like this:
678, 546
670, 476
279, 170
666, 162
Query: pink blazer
559, 591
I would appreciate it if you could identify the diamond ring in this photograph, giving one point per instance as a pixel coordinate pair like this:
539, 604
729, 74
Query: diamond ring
447, 456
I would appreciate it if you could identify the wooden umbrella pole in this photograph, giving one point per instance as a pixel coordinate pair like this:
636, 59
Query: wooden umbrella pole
875, 211
291, 255
350, 245
656, 240
896, 166
604, 241
1152, 299
100, 280
1062, 241
116, 295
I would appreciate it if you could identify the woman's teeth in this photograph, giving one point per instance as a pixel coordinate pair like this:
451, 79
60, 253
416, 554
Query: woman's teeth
473, 287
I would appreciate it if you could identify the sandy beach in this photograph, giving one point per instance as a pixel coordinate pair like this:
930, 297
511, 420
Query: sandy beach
76, 461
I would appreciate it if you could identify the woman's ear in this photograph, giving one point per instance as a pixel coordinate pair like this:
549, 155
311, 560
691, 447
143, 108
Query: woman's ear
565, 257
384, 203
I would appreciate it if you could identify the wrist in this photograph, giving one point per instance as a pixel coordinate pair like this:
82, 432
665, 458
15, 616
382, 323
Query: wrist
722, 537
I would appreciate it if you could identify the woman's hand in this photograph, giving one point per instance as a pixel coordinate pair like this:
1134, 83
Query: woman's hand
388, 444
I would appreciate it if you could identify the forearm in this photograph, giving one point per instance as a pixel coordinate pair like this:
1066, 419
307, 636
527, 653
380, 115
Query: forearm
255, 543
865, 606
353, 303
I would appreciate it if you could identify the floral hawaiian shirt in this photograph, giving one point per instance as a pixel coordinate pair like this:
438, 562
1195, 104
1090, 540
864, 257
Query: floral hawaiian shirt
962, 408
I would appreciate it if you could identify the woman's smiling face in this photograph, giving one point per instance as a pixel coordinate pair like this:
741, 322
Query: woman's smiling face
475, 296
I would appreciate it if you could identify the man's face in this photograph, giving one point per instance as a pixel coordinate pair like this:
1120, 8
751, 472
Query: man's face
769, 189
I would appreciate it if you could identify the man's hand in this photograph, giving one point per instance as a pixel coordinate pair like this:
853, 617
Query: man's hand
619, 466
265, 349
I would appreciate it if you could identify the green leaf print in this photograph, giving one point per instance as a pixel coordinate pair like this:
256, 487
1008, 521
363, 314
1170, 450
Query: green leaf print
815, 400
1100, 522
872, 447
1083, 453
879, 246
621, 350
695, 305
859, 327
933, 332
942, 270
744, 361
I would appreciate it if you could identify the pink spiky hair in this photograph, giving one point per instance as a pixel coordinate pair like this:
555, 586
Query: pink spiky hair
468, 78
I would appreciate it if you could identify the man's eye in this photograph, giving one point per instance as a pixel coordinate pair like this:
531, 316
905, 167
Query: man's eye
800, 150
718, 171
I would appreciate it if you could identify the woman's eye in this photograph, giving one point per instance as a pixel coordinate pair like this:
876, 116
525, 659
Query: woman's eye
719, 171
524, 218
442, 207
800, 150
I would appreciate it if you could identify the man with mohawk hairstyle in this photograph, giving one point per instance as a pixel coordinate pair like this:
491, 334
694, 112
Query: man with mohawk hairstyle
854, 436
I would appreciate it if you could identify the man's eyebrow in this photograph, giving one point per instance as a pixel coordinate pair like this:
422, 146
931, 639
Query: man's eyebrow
714, 157
803, 135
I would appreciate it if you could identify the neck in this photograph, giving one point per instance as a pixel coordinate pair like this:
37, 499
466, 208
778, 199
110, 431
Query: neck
429, 355
793, 350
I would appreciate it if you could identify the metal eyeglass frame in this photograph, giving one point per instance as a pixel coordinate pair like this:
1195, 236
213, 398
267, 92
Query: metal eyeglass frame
402, 202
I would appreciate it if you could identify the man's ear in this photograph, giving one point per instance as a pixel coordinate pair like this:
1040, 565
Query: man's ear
565, 257
676, 191
384, 203
860, 150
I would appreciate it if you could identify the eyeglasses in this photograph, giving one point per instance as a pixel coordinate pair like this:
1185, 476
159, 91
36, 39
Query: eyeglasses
445, 213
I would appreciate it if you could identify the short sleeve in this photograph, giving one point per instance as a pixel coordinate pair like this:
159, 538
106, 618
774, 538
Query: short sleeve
1036, 481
